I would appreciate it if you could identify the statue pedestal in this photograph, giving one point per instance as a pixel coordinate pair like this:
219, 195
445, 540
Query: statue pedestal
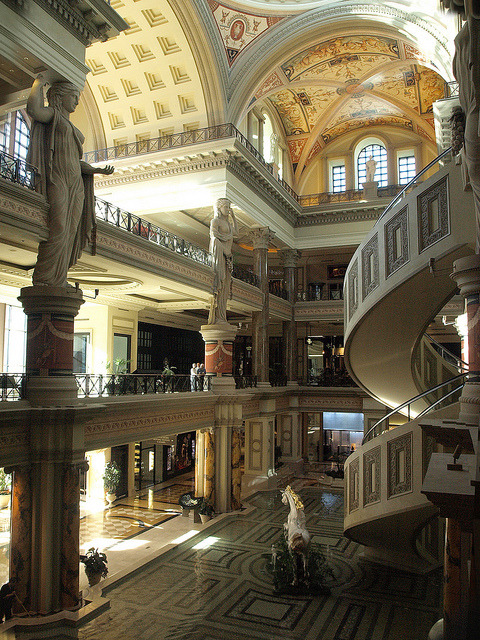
219, 339
370, 190
50, 327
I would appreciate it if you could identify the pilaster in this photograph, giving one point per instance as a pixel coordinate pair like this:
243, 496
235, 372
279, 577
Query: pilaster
261, 238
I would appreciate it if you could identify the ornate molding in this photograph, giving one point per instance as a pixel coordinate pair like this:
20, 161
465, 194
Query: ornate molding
399, 470
371, 476
437, 193
353, 485
261, 237
370, 266
290, 258
397, 253
354, 215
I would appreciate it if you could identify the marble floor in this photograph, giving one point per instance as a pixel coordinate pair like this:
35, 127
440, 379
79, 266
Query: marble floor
178, 581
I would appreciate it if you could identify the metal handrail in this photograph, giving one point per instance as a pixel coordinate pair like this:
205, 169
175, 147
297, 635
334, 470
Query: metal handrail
408, 404
461, 364
127, 221
400, 195
17, 170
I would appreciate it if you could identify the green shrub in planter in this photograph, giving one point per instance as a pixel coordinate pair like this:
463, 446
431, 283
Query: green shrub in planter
111, 477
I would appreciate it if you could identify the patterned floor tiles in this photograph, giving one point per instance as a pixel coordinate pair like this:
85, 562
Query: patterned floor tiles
215, 587
119, 523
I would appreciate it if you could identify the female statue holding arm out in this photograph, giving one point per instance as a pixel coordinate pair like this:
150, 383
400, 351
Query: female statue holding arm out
66, 181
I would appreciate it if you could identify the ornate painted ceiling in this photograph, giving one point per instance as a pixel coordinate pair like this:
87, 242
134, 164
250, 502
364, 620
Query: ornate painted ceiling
152, 79
349, 82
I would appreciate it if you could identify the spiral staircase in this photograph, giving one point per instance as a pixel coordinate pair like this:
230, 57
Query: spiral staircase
396, 283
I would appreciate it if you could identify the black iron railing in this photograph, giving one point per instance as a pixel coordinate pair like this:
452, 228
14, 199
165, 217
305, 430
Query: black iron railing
17, 170
245, 382
184, 139
277, 288
329, 378
12, 386
94, 385
245, 275
129, 222
278, 380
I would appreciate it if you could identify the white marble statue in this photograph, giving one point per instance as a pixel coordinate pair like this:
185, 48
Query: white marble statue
296, 533
223, 229
370, 167
65, 180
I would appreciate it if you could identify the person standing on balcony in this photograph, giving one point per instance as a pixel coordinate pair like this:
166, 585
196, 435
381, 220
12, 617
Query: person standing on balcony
222, 233
66, 181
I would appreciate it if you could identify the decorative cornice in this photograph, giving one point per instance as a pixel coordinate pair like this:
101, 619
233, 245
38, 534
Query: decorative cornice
352, 215
72, 20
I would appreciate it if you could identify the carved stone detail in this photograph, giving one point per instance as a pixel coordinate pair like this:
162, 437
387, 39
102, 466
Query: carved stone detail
397, 252
399, 452
371, 476
370, 266
290, 257
353, 485
261, 237
353, 289
432, 209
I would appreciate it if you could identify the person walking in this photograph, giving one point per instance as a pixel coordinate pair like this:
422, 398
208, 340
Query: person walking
7, 595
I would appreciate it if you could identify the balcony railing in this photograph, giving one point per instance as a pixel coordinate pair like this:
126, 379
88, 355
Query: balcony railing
178, 140
17, 170
245, 382
95, 386
329, 378
129, 222
277, 289
12, 386
245, 275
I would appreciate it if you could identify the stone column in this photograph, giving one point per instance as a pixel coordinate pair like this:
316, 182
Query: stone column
50, 326
261, 237
236, 484
290, 260
209, 465
46, 513
219, 339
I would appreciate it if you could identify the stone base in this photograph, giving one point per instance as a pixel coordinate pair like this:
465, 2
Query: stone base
222, 385
51, 390
436, 632
370, 190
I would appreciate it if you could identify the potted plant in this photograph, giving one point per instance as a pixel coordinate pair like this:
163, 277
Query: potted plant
95, 565
206, 511
5, 485
111, 480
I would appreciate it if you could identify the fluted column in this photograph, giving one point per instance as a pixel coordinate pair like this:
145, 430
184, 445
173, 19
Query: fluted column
261, 237
290, 259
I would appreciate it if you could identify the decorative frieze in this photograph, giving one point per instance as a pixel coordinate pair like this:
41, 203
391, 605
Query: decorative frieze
371, 476
353, 485
353, 288
399, 470
370, 266
396, 241
433, 214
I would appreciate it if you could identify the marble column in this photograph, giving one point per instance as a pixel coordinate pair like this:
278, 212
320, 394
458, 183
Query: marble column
209, 466
219, 339
260, 339
290, 259
46, 513
50, 328
236, 470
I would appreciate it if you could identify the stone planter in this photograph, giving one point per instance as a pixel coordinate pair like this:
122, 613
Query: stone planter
4, 500
110, 497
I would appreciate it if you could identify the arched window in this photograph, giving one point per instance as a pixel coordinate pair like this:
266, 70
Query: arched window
379, 154
22, 136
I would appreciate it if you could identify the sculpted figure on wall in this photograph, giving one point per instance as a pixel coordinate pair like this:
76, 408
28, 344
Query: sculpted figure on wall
223, 229
65, 180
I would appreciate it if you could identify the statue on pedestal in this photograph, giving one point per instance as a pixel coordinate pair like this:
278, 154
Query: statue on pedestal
222, 232
65, 180
370, 167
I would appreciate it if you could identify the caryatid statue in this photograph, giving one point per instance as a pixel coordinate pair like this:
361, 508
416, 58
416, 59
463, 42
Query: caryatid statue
223, 229
63, 177
466, 69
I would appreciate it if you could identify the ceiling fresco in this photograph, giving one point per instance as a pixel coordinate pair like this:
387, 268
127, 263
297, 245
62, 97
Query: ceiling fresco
239, 29
350, 82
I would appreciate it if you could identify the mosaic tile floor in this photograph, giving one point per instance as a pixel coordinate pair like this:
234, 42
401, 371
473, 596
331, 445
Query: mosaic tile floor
120, 522
214, 586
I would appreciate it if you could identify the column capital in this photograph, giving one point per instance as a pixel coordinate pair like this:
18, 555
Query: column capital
290, 257
261, 237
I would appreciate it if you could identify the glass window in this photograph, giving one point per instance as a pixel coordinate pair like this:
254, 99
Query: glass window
406, 169
379, 154
5, 133
15, 340
80, 351
338, 179
22, 136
